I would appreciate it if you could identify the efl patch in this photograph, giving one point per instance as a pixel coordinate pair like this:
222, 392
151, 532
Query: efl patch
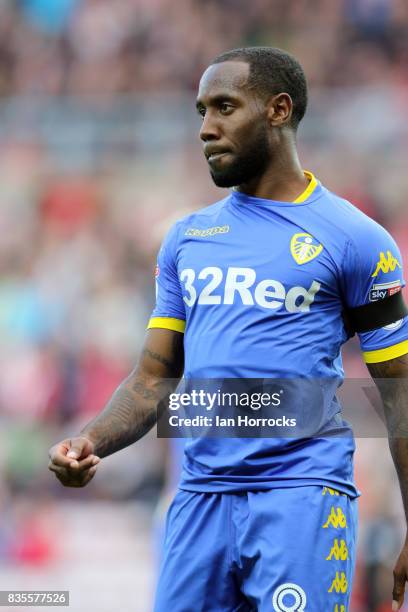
380, 291
304, 248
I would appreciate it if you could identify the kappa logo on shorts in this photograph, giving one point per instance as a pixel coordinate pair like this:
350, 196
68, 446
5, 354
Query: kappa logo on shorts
304, 248
338, 551
336, 519
339, 584
289, 597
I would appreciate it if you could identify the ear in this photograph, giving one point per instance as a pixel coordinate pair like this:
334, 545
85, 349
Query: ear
279, 110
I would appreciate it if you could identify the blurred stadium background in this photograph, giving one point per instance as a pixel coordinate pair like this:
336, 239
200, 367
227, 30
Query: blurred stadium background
98, 155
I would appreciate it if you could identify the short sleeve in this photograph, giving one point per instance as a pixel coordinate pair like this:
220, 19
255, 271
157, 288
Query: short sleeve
372, 271
169, 312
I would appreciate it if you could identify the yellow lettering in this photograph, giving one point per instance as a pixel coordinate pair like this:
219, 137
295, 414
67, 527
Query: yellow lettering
339, 608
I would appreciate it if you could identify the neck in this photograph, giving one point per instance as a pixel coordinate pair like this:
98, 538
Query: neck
283, 180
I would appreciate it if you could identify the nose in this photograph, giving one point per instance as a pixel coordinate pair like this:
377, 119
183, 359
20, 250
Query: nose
209, 128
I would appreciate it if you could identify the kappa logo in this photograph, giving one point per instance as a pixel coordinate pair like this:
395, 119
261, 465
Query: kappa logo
304, 248
339, 551
210, 231
339, 584
336, 519
386, 264
289, 597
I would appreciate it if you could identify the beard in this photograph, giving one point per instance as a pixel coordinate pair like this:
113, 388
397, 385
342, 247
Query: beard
246, 165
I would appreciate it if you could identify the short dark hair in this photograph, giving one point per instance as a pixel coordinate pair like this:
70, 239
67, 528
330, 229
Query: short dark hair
273, 71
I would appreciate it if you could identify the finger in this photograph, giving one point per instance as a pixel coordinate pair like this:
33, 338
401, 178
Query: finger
62, 460
58, 457
83, 479
80, 448
68, 472
69, 482
398, 591
57, 470
88, 462
76, 481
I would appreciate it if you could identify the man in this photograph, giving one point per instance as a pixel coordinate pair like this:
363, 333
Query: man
267, 283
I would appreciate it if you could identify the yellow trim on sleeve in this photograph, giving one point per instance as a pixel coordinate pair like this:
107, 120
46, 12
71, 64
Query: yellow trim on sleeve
309, 189
385, 354
167, 323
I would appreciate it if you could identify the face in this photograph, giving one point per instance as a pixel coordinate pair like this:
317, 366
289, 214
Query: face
235, 128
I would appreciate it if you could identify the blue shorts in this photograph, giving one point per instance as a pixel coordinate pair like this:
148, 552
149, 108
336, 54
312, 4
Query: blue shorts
284, 549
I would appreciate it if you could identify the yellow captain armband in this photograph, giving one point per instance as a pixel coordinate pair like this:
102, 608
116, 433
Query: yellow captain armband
167, 323
385, 354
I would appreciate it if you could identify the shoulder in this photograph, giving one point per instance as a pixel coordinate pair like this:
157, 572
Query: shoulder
200, 218
206, 213
365, 244
205, 218
353, 225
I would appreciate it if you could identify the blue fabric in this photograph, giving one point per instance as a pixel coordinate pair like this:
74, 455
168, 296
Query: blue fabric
262, 285
282, 549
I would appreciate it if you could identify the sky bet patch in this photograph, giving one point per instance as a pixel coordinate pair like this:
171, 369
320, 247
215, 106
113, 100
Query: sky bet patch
380, 291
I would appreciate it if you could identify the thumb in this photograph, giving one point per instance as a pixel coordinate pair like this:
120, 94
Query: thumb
78, 448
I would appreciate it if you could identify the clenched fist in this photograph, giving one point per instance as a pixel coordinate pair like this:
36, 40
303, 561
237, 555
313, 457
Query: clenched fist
73, 461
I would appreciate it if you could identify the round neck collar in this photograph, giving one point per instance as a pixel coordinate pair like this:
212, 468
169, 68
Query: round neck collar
311, 192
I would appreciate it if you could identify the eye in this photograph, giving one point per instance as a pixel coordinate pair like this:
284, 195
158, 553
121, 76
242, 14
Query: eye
226, 108
201, 111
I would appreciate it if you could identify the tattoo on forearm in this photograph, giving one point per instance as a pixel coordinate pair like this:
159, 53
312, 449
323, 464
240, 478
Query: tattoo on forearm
391, 378
134, 407
173, 366
141, 390
159, 358
129, 415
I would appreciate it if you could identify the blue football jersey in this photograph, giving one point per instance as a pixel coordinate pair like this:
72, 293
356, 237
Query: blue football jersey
258, 287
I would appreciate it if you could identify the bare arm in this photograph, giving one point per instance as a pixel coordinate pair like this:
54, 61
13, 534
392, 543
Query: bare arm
130, 413
391, 378
132, 409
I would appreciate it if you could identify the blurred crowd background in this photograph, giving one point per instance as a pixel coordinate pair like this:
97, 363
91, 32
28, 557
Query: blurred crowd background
99, 154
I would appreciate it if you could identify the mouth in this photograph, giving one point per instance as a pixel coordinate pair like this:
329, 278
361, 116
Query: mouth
216, 156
